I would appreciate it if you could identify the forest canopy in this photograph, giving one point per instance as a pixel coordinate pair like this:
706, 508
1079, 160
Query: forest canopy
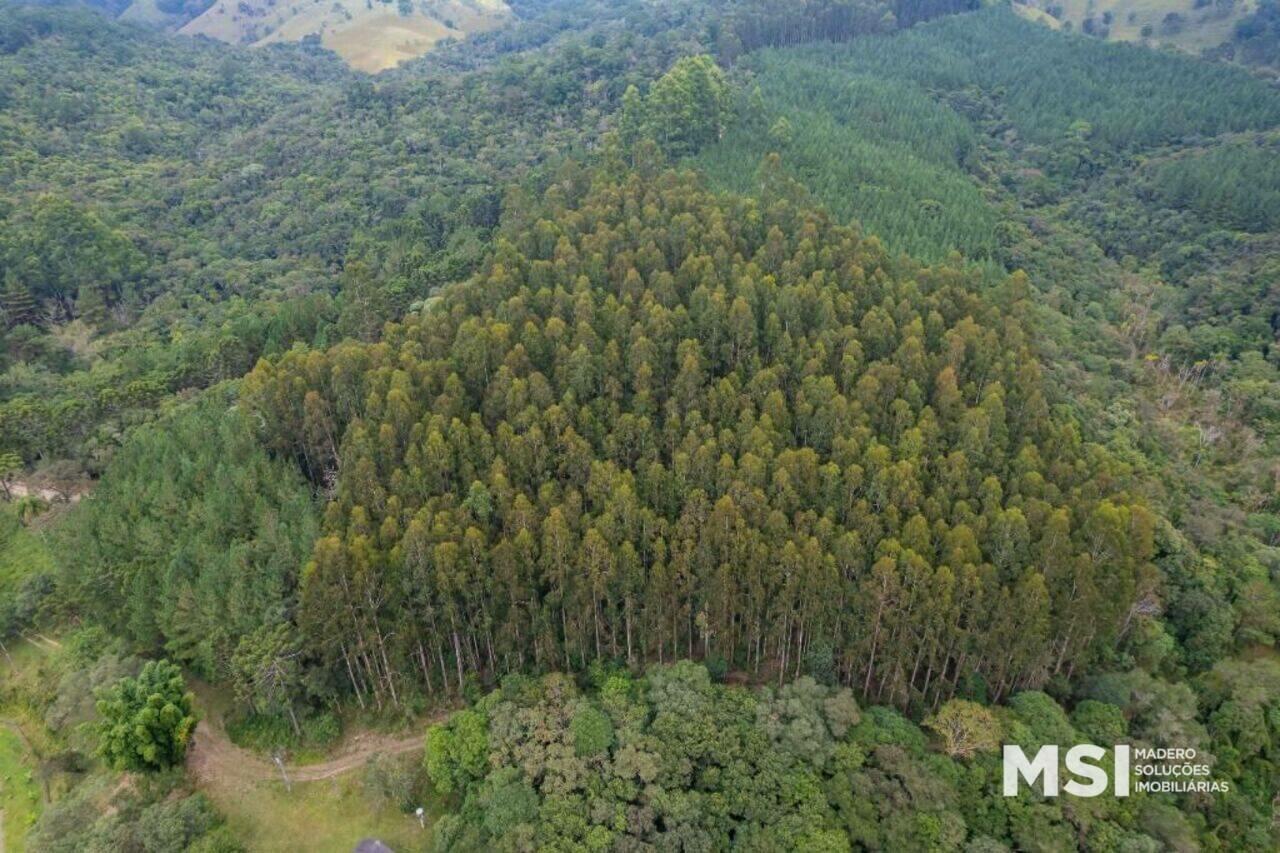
712, 423
664, 423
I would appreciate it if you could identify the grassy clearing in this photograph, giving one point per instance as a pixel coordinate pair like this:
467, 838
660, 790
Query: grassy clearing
1206, 27
330, 815
377, 42
369, 36
20, 799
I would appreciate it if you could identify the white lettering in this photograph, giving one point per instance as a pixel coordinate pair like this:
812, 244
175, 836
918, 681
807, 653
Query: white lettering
1077, 767
1016, 764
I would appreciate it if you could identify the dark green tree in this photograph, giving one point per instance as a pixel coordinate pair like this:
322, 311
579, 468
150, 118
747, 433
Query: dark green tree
147, 722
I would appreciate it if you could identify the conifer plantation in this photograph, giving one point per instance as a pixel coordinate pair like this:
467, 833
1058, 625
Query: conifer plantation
662, 423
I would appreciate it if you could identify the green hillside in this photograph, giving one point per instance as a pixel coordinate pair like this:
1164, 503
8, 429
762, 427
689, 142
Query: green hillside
698, 425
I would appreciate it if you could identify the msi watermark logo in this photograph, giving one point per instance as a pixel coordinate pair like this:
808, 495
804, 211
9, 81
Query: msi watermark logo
1084, 762
1151, 770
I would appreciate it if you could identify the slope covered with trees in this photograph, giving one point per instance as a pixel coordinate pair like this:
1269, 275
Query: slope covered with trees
674, 761
193, 541
220, 198
1018, 489
217, 201
662, 424
892, 131
1137, 204
1256, 38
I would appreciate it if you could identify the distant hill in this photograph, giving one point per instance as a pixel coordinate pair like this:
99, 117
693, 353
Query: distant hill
164, 14
1190, 25
370, 35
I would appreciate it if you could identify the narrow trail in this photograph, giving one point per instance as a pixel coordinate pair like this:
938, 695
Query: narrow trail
212, 757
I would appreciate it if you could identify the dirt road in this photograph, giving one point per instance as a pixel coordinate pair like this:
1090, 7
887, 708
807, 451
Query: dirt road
213, 757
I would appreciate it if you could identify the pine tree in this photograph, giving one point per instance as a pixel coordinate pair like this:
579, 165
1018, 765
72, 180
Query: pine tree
18, 303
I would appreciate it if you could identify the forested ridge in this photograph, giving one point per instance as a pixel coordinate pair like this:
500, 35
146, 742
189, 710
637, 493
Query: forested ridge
234, 201
754, 414
911, 116
661, 424
1153, 275
230, 202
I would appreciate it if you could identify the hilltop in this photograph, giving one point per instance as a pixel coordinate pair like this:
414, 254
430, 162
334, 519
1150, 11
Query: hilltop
370, 35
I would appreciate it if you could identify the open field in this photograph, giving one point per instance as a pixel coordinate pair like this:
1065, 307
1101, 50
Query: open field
376, 42
328, 815
370, 35
1126, 20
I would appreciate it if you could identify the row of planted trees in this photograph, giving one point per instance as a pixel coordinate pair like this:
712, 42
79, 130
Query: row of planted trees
663, 424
